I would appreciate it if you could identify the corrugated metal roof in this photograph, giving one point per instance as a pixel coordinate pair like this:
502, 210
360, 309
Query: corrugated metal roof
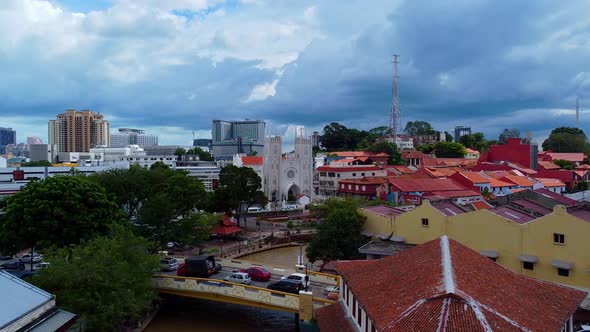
23, 296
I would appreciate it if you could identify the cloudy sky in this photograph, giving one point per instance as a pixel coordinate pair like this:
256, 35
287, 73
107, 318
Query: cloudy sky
171, 66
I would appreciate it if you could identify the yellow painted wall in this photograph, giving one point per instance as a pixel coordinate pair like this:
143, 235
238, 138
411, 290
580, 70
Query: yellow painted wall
377, 223
409, 224
538, 241
483, 230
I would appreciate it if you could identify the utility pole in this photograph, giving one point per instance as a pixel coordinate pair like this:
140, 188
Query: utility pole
394, 117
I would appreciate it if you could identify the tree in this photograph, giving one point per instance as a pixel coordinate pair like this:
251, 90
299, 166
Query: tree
39, 163
475, 141
508, 133
339, 235
415, 128
581, 186
106, 280
379, 132
566, 139
337, 137
57, 211
203, 155
179, 152
565, 164
449, 150
448, 137
395, 157
239, 186
427, 148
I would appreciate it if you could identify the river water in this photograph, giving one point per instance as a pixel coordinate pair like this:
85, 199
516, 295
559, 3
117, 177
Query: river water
183, 314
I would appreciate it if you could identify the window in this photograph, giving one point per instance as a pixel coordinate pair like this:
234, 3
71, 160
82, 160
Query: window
563, 272
356, 187
373, 173
322, 173
349, 187
331, 175
359, 315
425, 222
364, 188
353, 307
558, 238
528, 266
353, 174
362, 174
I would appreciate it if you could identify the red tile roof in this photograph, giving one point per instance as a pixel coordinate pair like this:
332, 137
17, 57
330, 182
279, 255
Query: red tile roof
416, 154
443, 285
453, 193
583, 166
522, 181
475, 178
252, 160
572, 156
424, 185
481, 205
448, 209
359, 154
495, 183
548, 165
557, 197
550, 182
338, 169
403, 169
333, 319
364, 180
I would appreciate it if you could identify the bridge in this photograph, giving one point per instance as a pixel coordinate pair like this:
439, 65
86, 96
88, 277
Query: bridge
217, 289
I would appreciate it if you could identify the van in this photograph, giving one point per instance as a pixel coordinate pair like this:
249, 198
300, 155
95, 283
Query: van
254, 209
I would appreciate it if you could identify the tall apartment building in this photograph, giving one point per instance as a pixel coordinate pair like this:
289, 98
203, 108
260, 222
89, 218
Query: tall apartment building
7, 136
232, 137
78, 131
461, 131
129, 136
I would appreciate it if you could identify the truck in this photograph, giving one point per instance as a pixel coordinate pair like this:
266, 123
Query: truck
202, 266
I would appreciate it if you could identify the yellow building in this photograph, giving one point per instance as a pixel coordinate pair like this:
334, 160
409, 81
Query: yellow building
555, 247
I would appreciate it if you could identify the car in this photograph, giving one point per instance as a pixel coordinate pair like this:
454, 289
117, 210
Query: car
583, 328
300, 277
42, 265
26, 258
168, 264
331, 289
16, 265
334, 296
257, 273
287, 286
239, 278
5, 257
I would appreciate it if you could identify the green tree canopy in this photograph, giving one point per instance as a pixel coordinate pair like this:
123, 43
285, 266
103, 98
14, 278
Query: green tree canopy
106, 280
449, 150
395, 157
508, 133
339, 235
567, 139
565, 164
203, 155
57, 211
39, 163
238, 186
475, 141
448, 137
415, 128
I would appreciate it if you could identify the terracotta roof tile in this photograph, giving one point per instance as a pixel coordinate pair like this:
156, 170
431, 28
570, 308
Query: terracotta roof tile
443, 283
572, 156
333, 319
475, 177
550, 183
424, 185
338, 169
481, 205
522, 181
548, 165
454, 193
252, 160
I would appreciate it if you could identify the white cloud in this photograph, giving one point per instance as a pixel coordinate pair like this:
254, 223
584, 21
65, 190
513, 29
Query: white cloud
263, 91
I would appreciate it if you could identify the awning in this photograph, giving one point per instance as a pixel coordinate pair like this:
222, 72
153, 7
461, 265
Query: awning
367, 233
383, 236
226, 230
528, 258
489, 253
562, 264
399, 239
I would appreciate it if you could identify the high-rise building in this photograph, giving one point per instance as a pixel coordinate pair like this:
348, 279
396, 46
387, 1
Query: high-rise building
461, 131
231, 137
7, 136
78, 131
129, 136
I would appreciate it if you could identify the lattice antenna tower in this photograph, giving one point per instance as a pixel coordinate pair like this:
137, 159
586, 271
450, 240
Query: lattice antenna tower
577, 113
395, 116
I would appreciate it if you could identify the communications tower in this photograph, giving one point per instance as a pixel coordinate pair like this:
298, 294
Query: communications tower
395, 116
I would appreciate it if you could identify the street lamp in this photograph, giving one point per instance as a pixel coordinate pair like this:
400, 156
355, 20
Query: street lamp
300, 260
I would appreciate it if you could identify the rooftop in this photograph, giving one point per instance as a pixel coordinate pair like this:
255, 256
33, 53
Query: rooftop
556, 197
448, 209
550, 183
424, 185
474, 177
571, 156
252, 160
384, 210
336, 169
512, 215
443, 285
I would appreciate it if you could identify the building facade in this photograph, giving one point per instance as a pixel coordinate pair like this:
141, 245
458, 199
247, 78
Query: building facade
285, 178
7, 136
129, 136
78, 131
233, 137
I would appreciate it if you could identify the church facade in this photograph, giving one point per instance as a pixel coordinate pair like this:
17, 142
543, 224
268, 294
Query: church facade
286, 177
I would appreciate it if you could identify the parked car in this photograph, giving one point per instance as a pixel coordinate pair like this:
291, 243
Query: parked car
16, 265
583, 328
286, 285
331, 289
5, 257
239, 278
42, 265
168, 264
257, 273
37, 258
334, 296
200, 266
299, 277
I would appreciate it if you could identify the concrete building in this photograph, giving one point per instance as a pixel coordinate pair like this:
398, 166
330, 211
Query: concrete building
7, 136
41, 152
461, 131
161, 150
129, 136
231, 137
18, 150
2, 162
28, 308
203, 143
327, 177
206, 171
514, 151
442, 285
78, 131
285, 178
254, 162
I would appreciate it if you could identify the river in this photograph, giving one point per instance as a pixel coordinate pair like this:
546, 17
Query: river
183, 314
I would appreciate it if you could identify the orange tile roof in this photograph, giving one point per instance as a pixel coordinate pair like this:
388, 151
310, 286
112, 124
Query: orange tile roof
475, 177
481, 205
495, 183
424, 185
252, 160
359, 154
444, 283
548, 165
583, 166
550, 182
571, 156
333, 319
364, 180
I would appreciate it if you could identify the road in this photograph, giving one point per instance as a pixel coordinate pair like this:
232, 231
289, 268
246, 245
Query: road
316, 288
27, 265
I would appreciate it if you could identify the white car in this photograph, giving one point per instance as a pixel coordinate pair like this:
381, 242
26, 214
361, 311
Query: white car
27, 258
584, 328
168, 264
331, 289
239, 278
298, 277
42, 265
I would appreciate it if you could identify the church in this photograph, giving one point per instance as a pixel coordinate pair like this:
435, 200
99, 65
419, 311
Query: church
287, 176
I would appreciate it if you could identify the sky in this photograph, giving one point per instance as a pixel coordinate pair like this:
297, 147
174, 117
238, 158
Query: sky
172, 66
